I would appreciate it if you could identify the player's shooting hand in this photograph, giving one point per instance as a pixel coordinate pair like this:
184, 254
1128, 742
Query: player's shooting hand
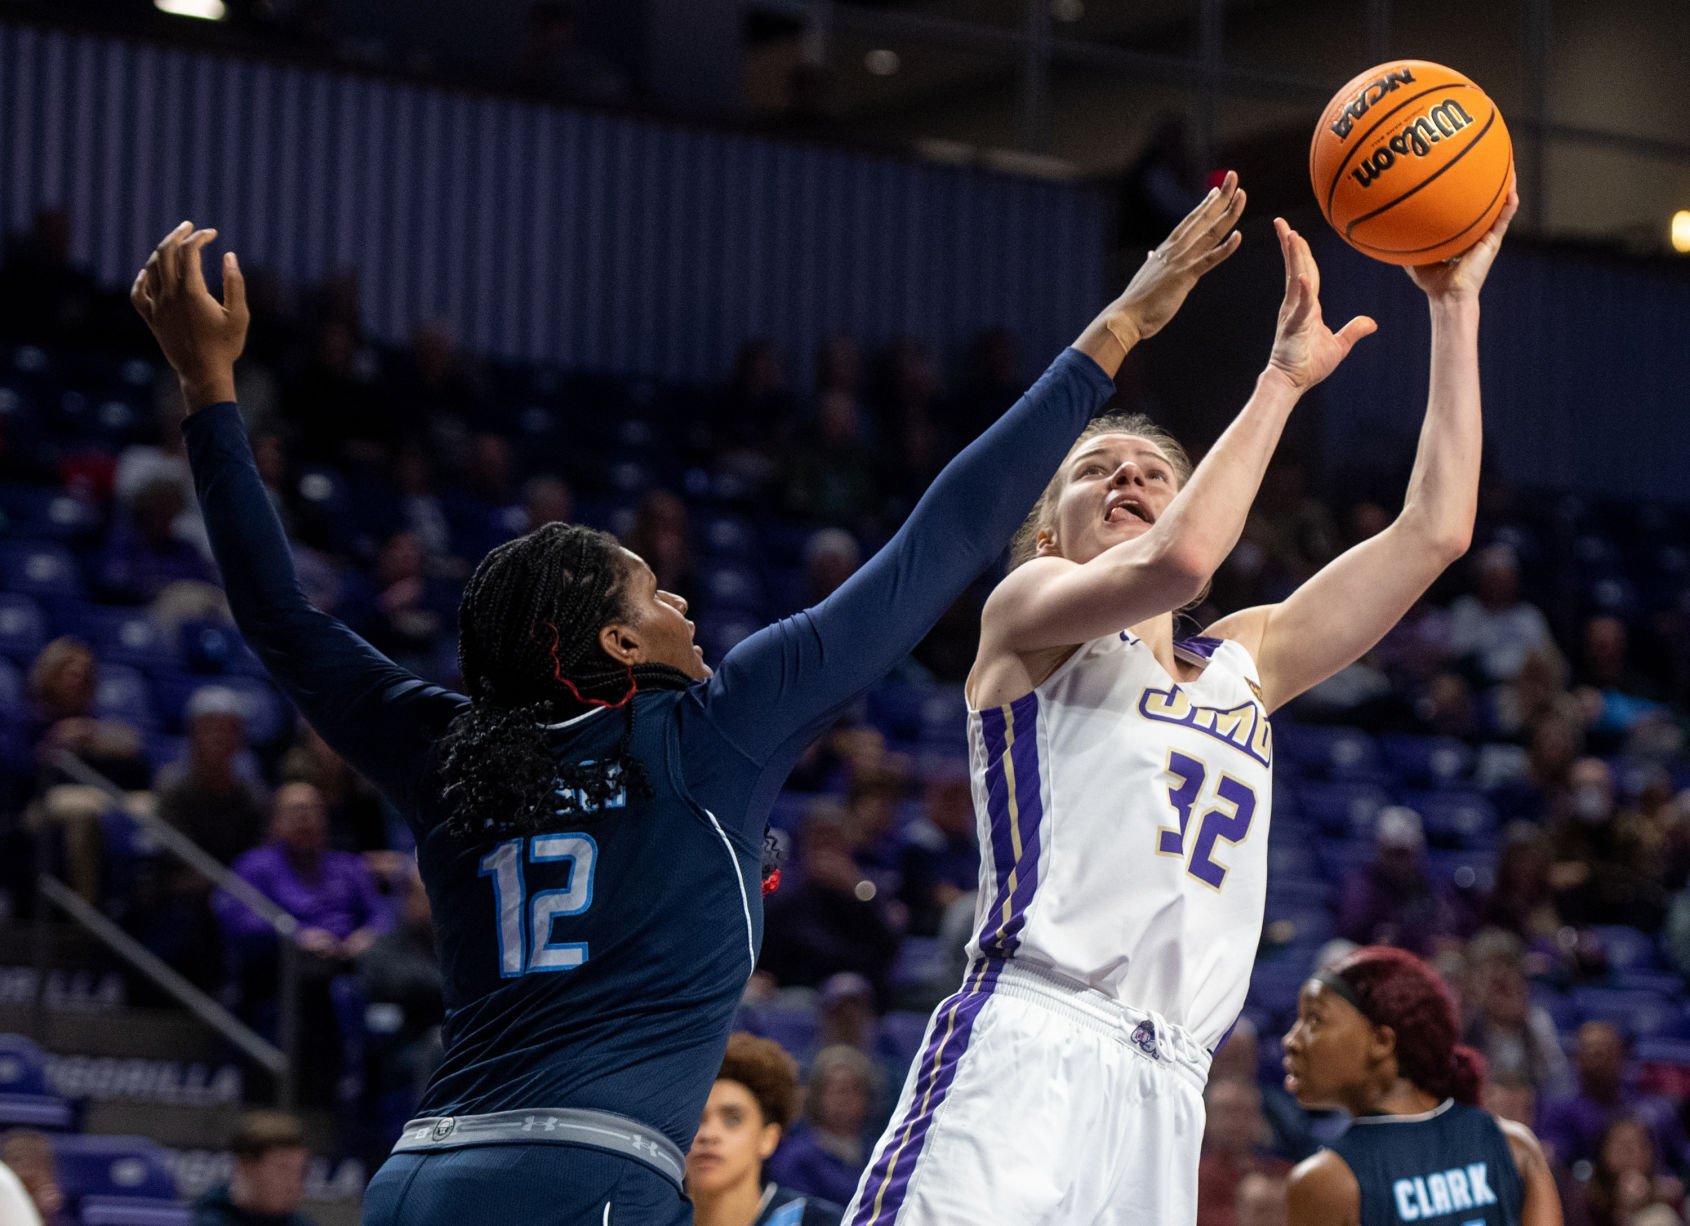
1464, 276
1305, 350
200, 336
1205, 238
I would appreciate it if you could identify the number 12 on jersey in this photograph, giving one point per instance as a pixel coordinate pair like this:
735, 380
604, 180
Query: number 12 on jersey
1228, 821
525, 923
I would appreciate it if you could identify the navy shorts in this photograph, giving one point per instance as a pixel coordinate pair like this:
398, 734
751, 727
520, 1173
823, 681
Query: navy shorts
534, 1185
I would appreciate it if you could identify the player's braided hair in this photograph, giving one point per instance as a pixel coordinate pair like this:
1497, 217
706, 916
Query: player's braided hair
529, 653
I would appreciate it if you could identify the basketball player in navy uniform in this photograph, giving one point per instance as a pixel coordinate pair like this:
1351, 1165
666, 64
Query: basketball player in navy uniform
1376, 1035
751, 1106
590, 814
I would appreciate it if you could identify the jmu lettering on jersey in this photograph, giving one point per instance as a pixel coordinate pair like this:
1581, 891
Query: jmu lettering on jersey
1243, 727
1456, 1190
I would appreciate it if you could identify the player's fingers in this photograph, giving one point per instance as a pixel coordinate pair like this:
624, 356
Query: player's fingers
1359, 328
1210, 223
139, 298
169, 253
1202, 215
1305, 262
193, 265
1219, 252
234, 289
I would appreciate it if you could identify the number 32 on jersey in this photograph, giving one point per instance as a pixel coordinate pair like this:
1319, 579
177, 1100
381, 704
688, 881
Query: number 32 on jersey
1228, 809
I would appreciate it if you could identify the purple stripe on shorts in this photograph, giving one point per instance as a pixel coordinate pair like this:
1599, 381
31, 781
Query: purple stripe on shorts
901, 1148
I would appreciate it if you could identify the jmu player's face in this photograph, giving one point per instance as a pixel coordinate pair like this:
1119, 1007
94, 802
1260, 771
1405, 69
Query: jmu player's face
658, 621
1327, 1049
1116, 486
732, 1142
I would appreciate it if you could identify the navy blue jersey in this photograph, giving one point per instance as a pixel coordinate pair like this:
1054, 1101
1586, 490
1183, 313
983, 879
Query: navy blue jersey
1450, 1167
784, 1208
599, 965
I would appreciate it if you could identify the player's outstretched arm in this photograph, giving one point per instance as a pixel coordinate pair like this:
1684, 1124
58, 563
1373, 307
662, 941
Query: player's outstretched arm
1323, 1191
1054, 602
1349, 605
775, 689
375, 714
1542, 1205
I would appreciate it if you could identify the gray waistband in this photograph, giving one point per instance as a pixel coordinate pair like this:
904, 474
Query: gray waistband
599, 1129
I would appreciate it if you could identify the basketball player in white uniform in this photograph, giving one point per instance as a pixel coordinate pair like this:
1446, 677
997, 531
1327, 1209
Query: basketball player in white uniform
1123, 783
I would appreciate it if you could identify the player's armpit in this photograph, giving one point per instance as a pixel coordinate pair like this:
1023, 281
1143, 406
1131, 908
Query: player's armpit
1542, 1206
1323, 1191
1053, 602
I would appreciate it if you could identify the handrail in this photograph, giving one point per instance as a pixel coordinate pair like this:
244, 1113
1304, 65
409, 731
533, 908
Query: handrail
209, 1011
184, 848
281, 1058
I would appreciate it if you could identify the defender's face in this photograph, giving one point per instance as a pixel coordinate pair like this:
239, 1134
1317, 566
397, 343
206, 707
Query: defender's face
732, 1141
1115, 487
1326, 1049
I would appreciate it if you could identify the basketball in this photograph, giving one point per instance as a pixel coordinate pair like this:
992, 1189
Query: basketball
1410, 162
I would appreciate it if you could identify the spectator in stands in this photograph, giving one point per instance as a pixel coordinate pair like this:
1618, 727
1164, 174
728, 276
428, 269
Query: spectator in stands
400, 975
1521, 901
215, 796
332, 399
486, 510
839, 367
421, 511
409, 614
62, 685
941, 850
358, 816
1573, 1128
830, 468
271, 1157
1392, 901
1238, 1059
144, 554
749, 1110
1599, 872
1536, 691
662, 536
1605, 663
1235, 1138
1494, 630
871, 824
1625, 1179
1510, 1096
826, 1153
440, 389
546, 500
330, 893
28, 1154
833, 919
831, 556
1261, 1200
753, 412
1555, 743
1516, 1037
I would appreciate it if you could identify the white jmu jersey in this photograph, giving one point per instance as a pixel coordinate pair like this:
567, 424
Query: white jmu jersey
1124, 825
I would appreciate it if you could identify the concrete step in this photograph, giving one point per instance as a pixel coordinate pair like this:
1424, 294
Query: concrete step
156, 1034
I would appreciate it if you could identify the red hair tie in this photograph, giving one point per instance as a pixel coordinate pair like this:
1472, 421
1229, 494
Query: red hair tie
557, 674
771, 883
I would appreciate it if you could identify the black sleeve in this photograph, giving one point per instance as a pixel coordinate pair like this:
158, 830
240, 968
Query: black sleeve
380, 718
778, 688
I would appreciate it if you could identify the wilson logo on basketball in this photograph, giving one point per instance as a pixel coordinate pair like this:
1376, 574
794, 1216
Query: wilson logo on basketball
1416, 140
1357, 106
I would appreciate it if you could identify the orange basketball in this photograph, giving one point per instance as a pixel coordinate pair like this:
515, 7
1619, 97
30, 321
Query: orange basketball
1410, 162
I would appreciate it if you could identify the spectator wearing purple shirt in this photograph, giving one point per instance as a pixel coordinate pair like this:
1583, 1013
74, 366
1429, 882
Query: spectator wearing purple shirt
1572, 1128
331, 893
144, 554
1391, 901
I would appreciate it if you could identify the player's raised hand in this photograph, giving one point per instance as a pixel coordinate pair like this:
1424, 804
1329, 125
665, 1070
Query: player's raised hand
1465, 275
1205, 238
200, 336
1305, 350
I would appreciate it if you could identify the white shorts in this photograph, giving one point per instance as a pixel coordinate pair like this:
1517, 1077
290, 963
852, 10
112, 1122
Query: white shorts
1035, 1100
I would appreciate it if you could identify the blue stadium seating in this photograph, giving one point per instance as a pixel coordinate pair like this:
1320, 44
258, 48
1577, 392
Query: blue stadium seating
41, 568
1426, 761
123, 694
26, 1099
118, 1181
23, 628
1627, 949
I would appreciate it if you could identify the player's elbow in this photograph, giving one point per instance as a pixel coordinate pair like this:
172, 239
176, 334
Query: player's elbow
1181, 569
